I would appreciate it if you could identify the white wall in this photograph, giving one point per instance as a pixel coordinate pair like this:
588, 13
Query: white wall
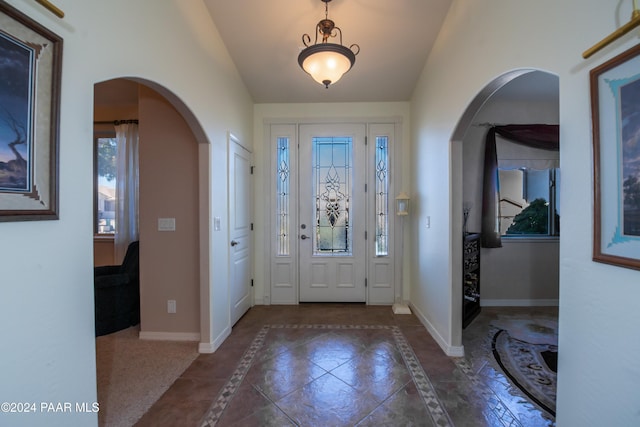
598, 337
523, 272
47, 295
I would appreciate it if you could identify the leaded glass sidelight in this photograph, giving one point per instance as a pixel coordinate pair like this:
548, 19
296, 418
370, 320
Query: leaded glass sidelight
332, 161
382, 196
283, 192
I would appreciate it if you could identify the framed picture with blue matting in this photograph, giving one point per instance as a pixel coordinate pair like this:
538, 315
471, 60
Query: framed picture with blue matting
615, 110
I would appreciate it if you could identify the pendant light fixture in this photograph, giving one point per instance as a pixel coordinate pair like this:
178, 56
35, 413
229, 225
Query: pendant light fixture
327, 62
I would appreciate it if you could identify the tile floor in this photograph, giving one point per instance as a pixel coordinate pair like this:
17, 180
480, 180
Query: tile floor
345, 365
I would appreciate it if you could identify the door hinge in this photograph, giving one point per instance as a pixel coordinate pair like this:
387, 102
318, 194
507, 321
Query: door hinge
252, 283
365, 188
365, 235
365, 282
366, 140
251, 226
252, 169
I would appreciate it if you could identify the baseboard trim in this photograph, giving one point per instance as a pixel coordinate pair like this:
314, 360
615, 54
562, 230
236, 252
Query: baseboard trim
217, 342
519, 302
205, 348
449, 350
169, 336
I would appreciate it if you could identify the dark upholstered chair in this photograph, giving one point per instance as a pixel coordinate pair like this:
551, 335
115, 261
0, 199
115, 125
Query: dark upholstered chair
117, 293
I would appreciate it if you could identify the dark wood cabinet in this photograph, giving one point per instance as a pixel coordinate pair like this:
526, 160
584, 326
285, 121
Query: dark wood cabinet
470, 278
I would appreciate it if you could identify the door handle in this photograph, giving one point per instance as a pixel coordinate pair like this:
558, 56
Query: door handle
304, 237
234, 243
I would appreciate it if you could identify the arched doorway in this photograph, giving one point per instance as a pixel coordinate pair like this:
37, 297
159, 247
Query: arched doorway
174, 186
518, 282
516, 97
174, 260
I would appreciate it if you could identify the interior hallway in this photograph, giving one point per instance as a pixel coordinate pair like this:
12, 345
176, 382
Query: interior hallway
346, 364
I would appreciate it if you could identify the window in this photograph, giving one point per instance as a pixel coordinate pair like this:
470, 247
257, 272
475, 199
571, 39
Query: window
529, 202
382, 195
106, 149
283, 184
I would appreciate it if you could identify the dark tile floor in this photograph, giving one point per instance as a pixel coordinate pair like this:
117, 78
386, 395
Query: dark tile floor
346, 365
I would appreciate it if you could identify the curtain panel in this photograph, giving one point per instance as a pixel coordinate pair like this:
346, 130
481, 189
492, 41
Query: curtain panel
545, 137
126, 188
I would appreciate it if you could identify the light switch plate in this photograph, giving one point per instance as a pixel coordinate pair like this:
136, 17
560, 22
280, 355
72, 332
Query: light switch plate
166, 224
171, 306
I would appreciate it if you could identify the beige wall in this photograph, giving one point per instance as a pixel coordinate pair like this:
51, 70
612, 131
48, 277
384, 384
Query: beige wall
168, 189
103, 251
169, 260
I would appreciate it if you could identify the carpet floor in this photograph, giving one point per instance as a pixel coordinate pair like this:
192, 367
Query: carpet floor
132, 374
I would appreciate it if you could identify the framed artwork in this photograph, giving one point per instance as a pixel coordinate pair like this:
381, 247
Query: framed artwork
615, 109
30, 71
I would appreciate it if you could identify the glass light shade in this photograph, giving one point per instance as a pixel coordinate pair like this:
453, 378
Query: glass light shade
402, 204
326, 62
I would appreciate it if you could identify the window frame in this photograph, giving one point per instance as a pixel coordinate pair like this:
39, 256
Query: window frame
553, 230
97, 135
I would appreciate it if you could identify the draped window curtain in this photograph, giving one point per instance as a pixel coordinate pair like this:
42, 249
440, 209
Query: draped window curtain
545, 137
126, 187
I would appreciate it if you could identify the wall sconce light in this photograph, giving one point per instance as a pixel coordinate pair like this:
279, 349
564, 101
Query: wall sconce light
402, 204
327, 62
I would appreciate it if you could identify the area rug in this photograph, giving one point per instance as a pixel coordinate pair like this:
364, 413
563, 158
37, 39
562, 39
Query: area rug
527, 353
290, 340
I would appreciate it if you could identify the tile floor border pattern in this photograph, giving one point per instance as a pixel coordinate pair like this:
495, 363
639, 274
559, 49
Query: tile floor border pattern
420, 378
493, 402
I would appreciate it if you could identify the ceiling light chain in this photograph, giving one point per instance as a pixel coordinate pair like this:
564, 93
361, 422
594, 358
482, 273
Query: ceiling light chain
327, 62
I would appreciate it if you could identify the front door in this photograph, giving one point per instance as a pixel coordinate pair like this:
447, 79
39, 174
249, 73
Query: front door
332, 217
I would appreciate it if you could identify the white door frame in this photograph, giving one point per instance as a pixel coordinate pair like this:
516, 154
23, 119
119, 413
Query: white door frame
240, 230
281, 271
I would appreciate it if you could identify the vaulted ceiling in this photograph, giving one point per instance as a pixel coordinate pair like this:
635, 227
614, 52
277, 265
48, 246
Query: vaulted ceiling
264, 38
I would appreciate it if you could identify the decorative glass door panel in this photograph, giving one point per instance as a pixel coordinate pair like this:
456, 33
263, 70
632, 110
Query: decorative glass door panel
332, 178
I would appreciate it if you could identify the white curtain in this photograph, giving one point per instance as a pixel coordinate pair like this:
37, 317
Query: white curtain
515, 156
126, 188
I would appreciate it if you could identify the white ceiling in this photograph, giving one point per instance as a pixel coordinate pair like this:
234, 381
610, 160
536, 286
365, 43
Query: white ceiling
264, 38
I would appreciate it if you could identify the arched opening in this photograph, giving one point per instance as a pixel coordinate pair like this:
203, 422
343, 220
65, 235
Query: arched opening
174, 186
518, 283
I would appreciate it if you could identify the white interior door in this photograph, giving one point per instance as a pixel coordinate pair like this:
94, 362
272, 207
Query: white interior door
239, 229
332, 217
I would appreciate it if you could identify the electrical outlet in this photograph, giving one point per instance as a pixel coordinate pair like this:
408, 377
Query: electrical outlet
171, 306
